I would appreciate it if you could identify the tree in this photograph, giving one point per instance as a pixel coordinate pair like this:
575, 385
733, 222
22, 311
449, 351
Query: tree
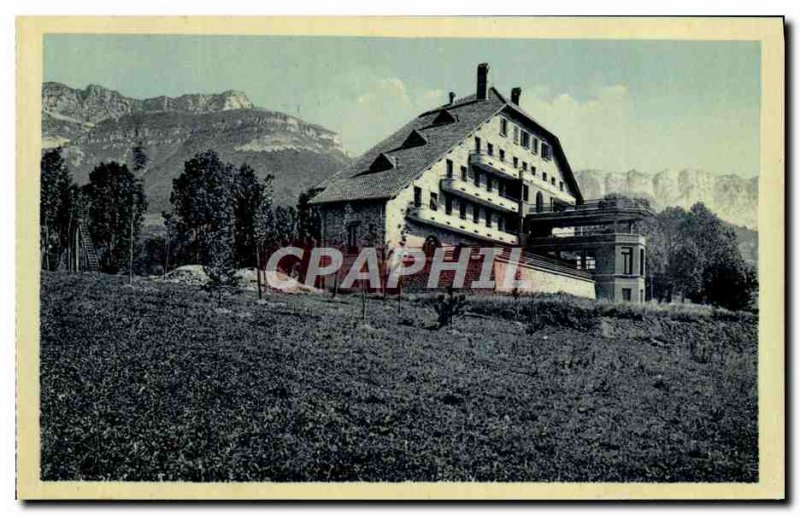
54, 207
686, 267
139, 158
116, 209
309, 226
264, 230
246, 201
202, 203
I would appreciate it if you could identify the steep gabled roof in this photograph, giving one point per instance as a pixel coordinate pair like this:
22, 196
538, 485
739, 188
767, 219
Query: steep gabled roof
360, 181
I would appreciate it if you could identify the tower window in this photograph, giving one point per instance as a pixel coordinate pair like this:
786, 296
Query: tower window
627, 260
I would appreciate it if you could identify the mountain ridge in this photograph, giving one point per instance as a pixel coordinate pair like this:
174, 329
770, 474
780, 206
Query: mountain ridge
99, 124
733, 198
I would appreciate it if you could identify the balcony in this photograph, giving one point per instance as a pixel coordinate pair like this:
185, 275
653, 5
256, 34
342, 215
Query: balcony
480, 195
458, 225
492, 164
591, 212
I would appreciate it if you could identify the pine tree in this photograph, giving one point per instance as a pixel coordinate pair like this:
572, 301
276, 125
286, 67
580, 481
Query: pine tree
54, 207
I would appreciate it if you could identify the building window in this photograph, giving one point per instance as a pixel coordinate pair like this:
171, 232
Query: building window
503, 127
525, 192
352, 234
539, 202
477, 144
490, 149
524, 166
476, 214
526, 140
462, 210
488, 219
627, 261
489, 184
589, 260
434, 202
502, 155
516, 162
533, 170
516, 135
626, 294
641, 262
535, 146
449, 169
417, 196
641, 295
448, 205
545, 151
544, 176
553, 181
464, 173
477, 178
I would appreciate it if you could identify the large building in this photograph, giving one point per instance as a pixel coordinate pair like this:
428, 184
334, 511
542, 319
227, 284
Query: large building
480, 171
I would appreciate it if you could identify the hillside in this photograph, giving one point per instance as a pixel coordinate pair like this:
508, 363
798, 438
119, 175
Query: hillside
732, 198
155, 382
97, 124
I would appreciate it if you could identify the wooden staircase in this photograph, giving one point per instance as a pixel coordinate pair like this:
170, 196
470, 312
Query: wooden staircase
88, 248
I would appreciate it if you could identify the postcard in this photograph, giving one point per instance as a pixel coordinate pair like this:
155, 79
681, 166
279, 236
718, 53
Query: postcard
466, 258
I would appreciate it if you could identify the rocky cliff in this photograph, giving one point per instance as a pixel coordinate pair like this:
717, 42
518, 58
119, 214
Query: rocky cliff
97, 124
732, 198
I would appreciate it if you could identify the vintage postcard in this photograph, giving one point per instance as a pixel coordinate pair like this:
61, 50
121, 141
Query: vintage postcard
400, 258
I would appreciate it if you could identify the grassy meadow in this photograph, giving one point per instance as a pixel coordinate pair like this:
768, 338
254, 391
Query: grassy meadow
155, 381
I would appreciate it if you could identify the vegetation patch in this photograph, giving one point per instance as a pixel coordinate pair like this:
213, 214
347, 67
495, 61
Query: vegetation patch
154, 381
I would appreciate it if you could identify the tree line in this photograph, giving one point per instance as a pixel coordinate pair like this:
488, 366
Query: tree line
695, 255
221, 217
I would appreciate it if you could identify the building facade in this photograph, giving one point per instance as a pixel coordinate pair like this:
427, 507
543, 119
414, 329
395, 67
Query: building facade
479, 171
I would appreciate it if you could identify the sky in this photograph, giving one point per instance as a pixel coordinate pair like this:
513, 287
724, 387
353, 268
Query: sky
615, 105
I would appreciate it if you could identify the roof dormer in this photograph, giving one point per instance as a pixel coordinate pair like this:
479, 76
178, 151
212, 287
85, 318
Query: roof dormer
444, 117
414, 139
382, 163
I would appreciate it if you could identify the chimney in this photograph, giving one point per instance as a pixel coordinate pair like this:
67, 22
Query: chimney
452, 97
482, 92
515, 93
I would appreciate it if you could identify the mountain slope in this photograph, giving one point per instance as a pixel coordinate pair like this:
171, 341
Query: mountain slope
732, 198
97, 124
